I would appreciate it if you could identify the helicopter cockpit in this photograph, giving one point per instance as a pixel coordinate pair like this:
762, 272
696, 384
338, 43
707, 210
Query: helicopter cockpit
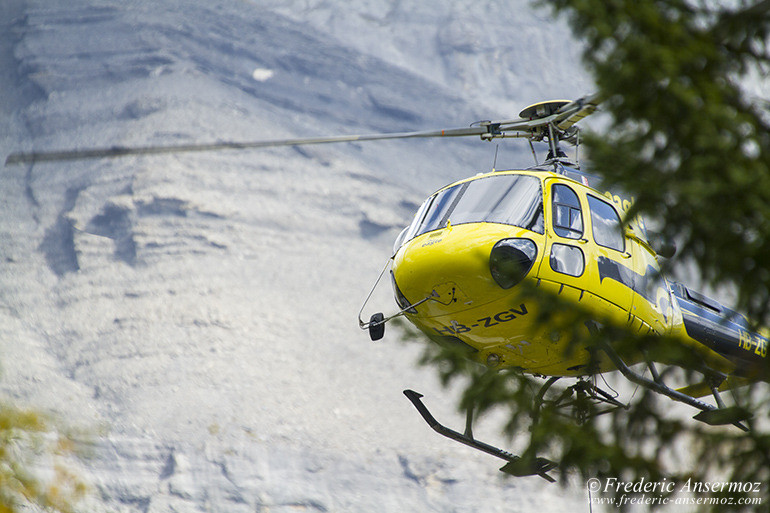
512, 199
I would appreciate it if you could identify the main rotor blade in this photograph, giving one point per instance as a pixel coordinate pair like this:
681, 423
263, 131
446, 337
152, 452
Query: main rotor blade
573, 112
121, 151
563, 119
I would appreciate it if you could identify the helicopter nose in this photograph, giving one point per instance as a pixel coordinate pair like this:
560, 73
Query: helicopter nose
461, 267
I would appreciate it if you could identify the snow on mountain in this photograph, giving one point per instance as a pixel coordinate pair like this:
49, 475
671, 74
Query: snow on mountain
201, 308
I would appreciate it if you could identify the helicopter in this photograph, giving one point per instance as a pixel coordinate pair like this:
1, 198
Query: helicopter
458, 269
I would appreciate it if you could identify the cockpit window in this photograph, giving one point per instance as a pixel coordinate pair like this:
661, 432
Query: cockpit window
507, 199
439, 209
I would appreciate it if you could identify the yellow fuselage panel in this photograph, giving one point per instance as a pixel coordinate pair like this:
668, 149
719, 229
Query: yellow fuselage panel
452, 265
507, 331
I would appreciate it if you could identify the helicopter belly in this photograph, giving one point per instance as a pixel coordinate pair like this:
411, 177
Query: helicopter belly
488, 331
508, 333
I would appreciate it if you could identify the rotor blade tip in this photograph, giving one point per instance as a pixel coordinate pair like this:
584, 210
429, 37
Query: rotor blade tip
14, 158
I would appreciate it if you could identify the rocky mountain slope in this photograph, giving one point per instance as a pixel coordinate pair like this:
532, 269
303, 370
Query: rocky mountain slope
197, 313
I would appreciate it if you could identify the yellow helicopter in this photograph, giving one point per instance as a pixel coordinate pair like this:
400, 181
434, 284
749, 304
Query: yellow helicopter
458, 269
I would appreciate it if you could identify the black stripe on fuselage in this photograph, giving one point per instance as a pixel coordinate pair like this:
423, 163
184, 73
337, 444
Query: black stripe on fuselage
639, 283
720, 328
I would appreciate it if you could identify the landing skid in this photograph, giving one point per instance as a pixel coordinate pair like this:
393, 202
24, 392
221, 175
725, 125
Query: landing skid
516, 465
714, 416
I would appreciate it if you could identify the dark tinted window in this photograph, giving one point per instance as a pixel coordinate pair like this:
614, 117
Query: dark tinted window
606, 224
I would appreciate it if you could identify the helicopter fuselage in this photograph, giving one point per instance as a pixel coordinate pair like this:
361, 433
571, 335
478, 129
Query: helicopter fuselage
476, 244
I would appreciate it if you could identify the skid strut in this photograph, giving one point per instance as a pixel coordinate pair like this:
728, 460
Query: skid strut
516, 465
719, 415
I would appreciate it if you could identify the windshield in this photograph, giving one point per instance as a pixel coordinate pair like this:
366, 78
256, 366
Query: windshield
508, 199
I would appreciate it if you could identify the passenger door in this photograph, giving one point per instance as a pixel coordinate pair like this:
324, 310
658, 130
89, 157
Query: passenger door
611, 275
565, 259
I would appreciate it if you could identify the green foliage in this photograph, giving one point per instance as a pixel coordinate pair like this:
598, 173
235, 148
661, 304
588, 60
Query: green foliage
684, 137
693, 147
33, 464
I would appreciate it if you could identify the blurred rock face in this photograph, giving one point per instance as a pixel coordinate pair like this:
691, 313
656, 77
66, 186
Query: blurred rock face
200, 310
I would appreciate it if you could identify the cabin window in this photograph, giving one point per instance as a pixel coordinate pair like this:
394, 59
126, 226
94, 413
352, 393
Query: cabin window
567, 259
606, 224
567, 215
507, 199
438, 211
